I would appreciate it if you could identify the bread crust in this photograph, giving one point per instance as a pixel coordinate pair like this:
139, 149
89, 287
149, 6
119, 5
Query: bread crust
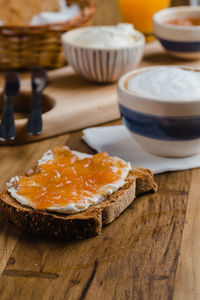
84, 224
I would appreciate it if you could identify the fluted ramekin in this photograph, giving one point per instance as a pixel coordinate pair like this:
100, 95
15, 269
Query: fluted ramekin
102, 65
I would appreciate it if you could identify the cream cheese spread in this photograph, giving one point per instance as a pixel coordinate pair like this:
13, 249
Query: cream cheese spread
71, 208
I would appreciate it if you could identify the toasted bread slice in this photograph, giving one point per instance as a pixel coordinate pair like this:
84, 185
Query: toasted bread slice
81, 225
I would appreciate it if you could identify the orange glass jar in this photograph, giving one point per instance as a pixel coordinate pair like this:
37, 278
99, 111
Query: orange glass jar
140, 12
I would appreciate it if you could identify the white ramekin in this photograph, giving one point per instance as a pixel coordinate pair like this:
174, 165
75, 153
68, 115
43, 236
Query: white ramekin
102, 65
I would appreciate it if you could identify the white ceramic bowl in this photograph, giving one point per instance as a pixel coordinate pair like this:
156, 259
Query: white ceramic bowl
101, 65
164, 128
179, 41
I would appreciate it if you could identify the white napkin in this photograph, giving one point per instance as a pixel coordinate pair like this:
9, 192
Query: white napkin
66, 13
117, 141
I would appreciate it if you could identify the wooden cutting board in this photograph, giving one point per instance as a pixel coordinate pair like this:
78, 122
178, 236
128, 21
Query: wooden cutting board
70, 102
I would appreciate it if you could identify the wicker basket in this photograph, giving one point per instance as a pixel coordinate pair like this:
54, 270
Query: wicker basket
24, 47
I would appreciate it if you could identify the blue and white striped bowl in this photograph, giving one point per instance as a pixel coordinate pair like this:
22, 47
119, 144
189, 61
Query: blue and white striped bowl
102, 65
165, 128
179, 41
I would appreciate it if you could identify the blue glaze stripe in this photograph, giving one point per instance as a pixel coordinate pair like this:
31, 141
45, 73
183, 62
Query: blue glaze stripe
107, 65
71, 54
127, 63
101, 66
85, 70
78, 67
95, 65
88, 64
113, 65
80, 59
161, 128
180, 46
121, 62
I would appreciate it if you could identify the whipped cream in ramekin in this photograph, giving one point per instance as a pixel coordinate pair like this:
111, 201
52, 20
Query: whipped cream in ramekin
118, 36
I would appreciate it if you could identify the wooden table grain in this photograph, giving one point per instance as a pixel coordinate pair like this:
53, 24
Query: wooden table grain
150, 252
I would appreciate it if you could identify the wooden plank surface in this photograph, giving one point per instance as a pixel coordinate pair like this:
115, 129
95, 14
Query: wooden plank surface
135, 257
188, 273
150, 252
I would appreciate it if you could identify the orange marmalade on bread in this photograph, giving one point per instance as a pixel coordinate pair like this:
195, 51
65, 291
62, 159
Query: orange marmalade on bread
67, 178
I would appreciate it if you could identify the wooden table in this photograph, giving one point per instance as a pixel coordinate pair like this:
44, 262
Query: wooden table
150, 252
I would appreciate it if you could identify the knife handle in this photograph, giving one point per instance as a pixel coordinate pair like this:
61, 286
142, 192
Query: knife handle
35, 117
7, 127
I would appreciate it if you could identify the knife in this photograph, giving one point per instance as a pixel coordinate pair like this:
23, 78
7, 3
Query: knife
39, 82
11, 89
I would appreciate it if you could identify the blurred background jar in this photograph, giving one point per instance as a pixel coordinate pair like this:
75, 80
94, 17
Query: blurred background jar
140, 12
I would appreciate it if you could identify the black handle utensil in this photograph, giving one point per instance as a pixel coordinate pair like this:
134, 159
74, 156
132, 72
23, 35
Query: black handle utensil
11, 89
39, 82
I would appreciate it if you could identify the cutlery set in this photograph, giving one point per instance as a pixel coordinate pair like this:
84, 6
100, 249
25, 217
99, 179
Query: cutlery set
11, 89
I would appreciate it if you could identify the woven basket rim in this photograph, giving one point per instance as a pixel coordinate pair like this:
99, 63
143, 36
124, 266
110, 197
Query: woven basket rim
84, 16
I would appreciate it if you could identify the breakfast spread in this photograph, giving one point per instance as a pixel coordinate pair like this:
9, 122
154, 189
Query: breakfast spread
118, 36
69, 182
167, 83
69, 188
184, 22
72, 195
56, 192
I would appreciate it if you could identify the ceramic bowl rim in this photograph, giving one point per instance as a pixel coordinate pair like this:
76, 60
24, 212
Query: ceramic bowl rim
157, 18
130, 93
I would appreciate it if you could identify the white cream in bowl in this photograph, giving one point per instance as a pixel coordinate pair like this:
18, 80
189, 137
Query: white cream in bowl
167, 83
118, 36
160, 106
103, 53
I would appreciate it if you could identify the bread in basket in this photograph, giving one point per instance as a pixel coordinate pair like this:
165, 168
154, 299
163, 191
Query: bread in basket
22, 47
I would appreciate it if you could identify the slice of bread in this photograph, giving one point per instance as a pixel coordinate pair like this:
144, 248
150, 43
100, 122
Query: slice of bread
84, 224
18, 13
